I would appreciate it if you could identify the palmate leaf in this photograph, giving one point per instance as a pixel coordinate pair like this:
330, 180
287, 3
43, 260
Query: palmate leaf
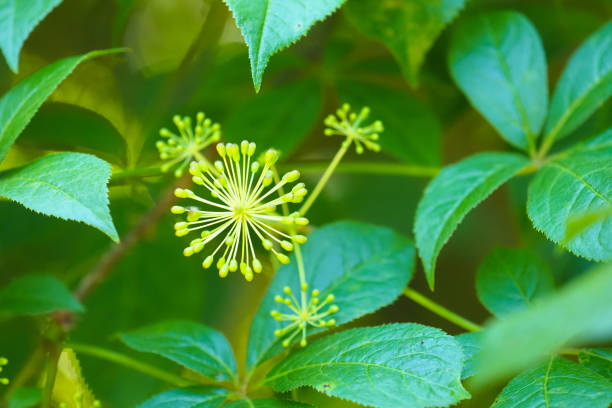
556, 383
266, 403
193, 397
71, 186
407, 27
37, 294
584, 85
570, 185
20, 103
17, 20
269, 26
189, 344
470, 343
511, 279
578, 313
598, 360
364, 266
387, 366
498, 60
452, 194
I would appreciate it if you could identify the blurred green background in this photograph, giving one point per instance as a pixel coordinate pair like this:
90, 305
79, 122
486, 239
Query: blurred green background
188, 55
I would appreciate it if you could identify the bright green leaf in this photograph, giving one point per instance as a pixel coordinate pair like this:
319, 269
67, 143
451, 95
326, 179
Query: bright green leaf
364, 266
26, 397
578, 313
570, 185
387, 366
37, 294
584, 85
269, 26
265, 403
20, 103
498, 60
296, 108
192, 345
470, 343
598, 360
195, 397
407, 27
510, 279
452, 194
412, 131
71, 186
69, 382
556, 383
17, 20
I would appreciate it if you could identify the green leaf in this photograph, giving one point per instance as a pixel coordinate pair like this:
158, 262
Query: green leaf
193, 397
412, 130
584, 85
88, 133
26, 397
407, 27
570, 185
265, 403
71, 186
470, 343
364, 266
556, 383
452, 194
269, 26
498, 60
388, 366
189, 344
37, 294
20, 103
296, 108
17, 20
510, 279
598, 360
578, 313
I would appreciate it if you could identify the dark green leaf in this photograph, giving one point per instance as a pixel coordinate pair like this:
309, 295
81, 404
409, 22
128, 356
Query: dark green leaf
19, 104
598, 360
17, 20
407, 27
269, 26
192, 345
365, 267
580, 312
556, 383
26, 397
37, 294
470, 343
265, 403
195, 397
412, 131
498, 60
452, 194
295, 110
71, 186
387, 366
59, 126
510, 279
584, 85
569, 186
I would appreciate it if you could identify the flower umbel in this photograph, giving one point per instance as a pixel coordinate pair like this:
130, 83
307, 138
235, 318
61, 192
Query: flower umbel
241, 210
304, 314
3, 362
186, 146
350, 124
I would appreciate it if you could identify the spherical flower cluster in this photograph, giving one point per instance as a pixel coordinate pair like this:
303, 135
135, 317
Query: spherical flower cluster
240, 210
3, 362
303, 314
186, 146
350, 124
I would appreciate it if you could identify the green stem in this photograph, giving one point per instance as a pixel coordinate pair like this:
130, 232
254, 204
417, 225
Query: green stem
129, 362
328, 172
382, 168
302, 273
51, 373
147, 171
441, 310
